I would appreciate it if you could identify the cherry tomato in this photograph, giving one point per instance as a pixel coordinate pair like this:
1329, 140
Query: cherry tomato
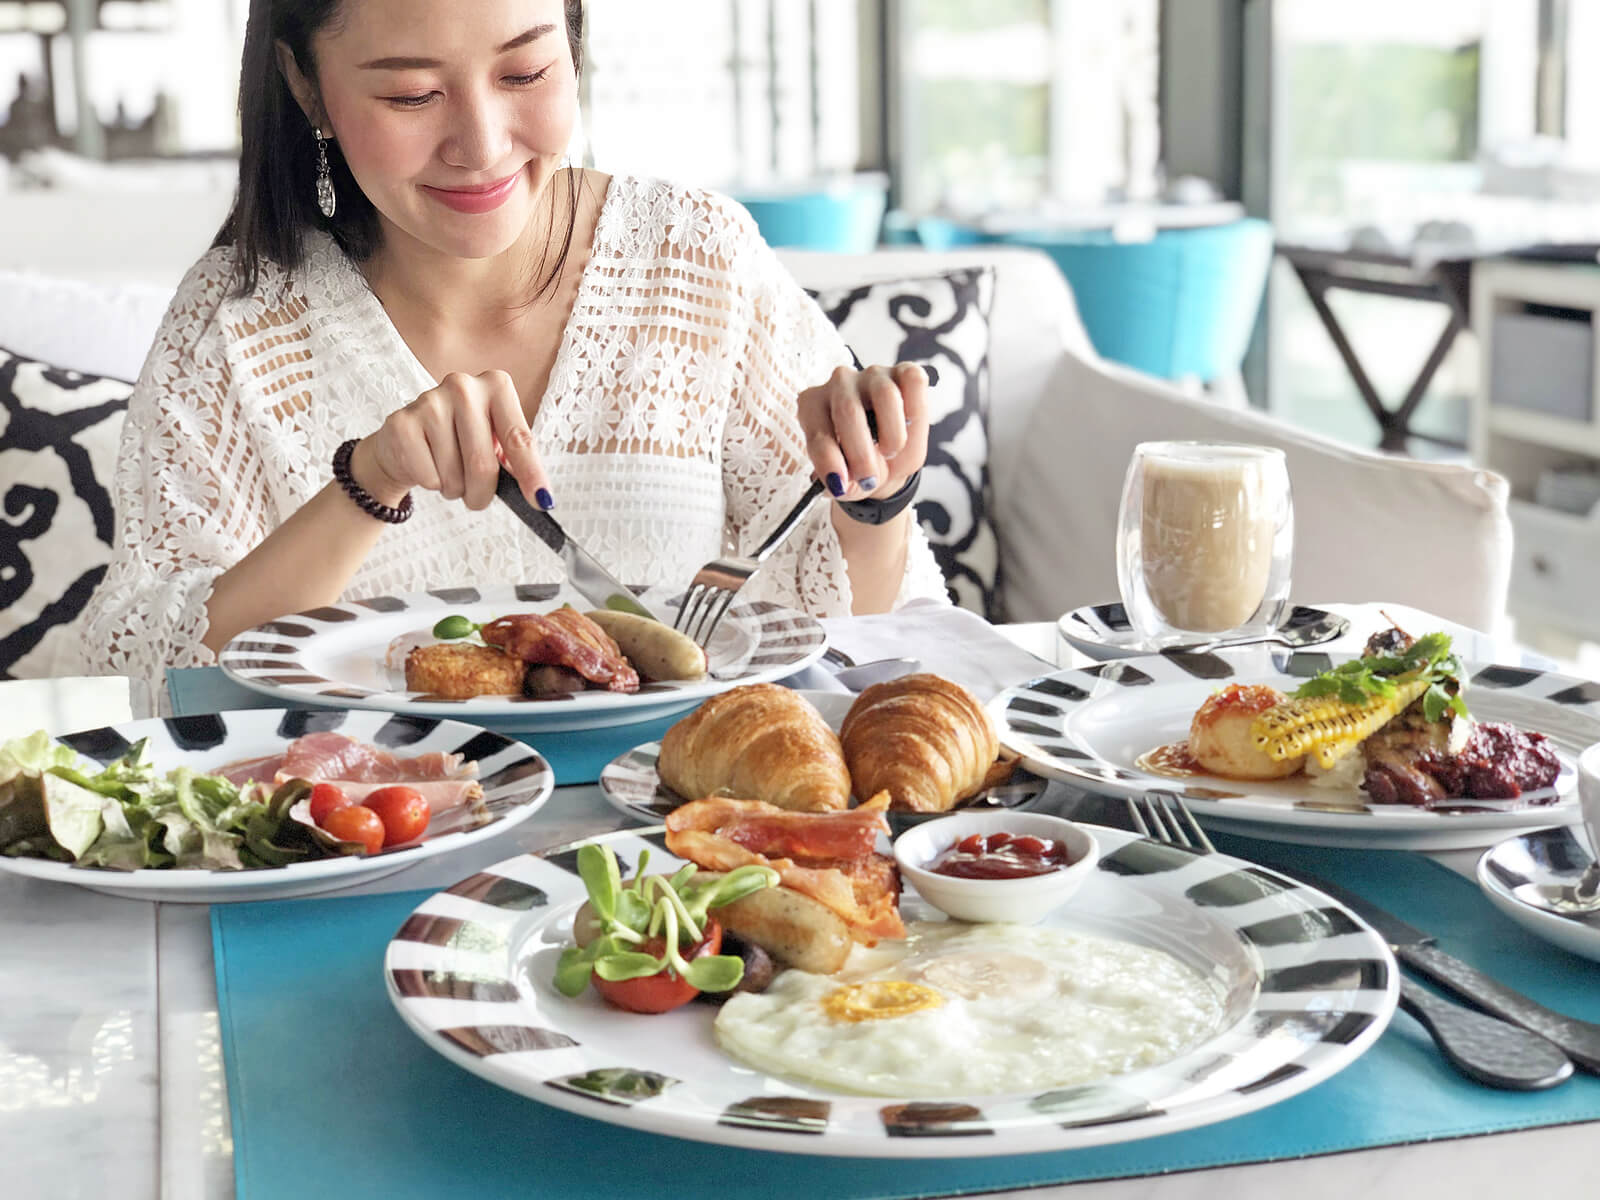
403, 811
325, 797
356, 823
665, 990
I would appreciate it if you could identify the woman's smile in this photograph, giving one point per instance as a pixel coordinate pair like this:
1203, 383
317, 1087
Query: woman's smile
481, 199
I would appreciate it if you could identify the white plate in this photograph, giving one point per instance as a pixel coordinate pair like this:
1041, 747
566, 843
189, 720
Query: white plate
1090, 726
1309, 989
516, 782
632, 787
1553, 856
1102, 631
336, 655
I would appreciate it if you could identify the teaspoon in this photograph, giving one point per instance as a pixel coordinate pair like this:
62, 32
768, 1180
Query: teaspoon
1579, 899
1324, 629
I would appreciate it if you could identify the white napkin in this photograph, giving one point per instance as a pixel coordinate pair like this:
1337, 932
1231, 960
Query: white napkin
948, 641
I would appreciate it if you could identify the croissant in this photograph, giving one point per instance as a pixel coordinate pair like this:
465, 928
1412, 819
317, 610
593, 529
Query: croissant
757, 742
923, 739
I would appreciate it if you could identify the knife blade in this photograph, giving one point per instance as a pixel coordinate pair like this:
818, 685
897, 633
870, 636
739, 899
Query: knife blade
584, 572
1417, 950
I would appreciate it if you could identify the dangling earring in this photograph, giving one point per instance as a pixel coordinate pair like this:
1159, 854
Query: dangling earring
326, 200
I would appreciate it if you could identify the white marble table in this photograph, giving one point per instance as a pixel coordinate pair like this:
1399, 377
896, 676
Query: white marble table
111, 1074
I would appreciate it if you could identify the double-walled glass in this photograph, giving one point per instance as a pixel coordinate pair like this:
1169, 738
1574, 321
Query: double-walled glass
1205, 540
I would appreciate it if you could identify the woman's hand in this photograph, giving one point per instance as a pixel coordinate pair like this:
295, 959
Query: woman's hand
834, 420
452, 440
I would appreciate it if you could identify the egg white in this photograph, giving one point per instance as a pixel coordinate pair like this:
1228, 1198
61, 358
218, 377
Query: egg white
1024, 1008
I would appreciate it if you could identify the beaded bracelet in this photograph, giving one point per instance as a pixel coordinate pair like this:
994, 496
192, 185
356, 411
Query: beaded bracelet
877, 512
367, 502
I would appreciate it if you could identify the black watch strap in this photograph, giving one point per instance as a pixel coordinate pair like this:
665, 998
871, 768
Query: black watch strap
877, 512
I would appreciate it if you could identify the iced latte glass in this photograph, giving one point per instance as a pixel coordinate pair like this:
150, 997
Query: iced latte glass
1204, 541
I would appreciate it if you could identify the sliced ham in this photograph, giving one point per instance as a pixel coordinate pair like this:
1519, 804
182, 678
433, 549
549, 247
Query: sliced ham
336, 758
262, 770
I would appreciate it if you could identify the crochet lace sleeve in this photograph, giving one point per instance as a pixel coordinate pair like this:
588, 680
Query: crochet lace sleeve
179, 520
790, 345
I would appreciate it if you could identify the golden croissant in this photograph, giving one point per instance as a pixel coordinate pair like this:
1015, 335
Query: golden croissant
757, 742
923, 739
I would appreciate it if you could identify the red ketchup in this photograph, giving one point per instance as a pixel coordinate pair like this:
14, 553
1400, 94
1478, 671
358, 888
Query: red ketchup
1001, 856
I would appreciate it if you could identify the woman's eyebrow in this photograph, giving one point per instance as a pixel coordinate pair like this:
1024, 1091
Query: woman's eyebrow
407, 63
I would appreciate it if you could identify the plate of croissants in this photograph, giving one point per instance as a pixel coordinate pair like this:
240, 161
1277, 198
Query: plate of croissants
923, 739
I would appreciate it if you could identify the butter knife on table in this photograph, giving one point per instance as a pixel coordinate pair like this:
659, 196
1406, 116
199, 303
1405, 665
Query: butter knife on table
584, 572
1580, 1040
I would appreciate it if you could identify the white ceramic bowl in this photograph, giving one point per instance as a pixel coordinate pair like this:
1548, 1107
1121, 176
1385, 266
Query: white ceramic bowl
1589, 795
1020, 901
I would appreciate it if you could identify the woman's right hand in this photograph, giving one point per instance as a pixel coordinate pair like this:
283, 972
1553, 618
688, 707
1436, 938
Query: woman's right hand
452, 440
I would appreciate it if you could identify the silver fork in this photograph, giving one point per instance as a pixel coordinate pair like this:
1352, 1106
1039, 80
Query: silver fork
1162, 816
1485, 1049
716, 584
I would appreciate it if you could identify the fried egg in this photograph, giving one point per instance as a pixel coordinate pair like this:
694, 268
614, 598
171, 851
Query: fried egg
959, 1009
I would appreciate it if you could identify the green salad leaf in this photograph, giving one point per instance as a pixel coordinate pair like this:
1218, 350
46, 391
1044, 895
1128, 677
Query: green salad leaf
129, 815
1430, 657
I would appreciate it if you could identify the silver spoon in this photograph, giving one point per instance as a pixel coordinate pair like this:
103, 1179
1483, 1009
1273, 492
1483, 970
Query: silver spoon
1324, 629
1579, 899
855, 676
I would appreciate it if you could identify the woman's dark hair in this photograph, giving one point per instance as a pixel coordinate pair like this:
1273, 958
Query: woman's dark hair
276, 202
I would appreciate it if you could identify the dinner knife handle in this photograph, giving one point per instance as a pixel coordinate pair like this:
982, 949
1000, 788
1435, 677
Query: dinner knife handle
542, 524
1486, 1050
1580, 1039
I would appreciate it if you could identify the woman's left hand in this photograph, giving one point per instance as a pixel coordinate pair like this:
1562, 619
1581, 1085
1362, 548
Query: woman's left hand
833, 417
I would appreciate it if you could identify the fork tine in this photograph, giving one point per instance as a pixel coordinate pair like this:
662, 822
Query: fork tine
1136, 815
690, 609
720, 605
707, 600
1163, 816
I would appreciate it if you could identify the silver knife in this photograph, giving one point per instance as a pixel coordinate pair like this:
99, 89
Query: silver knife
1579, 1039
596, 584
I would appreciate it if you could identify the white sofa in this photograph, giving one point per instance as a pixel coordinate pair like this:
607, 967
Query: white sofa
1062, 426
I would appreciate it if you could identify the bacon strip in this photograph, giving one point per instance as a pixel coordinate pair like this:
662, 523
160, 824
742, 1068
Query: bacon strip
564, 638
827, 856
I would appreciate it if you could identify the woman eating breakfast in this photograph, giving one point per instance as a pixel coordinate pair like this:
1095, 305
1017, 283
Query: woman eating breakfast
413, 288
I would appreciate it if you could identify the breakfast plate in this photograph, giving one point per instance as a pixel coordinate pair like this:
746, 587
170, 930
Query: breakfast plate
341, 654
1547, 856
1103, 631
1090, 726
1305, 988
632, 787
516, 782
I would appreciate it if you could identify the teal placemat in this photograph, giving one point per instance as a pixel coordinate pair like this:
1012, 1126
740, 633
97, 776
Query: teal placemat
332, 1095
575, 755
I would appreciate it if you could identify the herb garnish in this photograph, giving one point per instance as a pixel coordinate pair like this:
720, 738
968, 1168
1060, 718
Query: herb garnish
1363, 679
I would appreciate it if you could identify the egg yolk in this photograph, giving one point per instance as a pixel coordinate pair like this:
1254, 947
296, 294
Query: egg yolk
878, 1000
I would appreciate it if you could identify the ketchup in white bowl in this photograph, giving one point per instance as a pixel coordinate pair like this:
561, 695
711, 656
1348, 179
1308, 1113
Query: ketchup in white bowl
1002, 855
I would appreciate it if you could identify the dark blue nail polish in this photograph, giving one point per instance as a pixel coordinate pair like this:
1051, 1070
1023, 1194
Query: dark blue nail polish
868, 483
544, 499
835, 484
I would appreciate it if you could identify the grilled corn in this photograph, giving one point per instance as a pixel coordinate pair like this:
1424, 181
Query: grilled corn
1326, 726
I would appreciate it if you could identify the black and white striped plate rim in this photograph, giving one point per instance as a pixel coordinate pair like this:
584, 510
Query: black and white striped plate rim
272, 658
461, 973
1035, 718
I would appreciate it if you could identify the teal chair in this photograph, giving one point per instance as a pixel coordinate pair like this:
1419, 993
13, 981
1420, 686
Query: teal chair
1179, 306
845, 219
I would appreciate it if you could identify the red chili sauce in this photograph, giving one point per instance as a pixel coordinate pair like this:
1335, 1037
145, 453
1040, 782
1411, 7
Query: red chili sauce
1001, 856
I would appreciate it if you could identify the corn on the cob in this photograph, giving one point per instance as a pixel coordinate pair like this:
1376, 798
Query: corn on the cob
1327, 726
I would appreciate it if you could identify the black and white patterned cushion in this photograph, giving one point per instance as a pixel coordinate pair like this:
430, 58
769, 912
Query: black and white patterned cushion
58, 444
941, 322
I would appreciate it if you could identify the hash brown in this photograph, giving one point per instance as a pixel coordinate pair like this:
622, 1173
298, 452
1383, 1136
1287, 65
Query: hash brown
461, 670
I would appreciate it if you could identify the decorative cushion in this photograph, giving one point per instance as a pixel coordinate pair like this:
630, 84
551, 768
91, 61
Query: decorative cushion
58, 444
940, 322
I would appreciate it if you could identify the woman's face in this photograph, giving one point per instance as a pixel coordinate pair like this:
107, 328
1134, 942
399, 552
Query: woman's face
452, 114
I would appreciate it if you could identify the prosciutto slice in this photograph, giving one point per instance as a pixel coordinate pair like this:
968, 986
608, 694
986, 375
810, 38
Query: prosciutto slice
334, 757
828, 856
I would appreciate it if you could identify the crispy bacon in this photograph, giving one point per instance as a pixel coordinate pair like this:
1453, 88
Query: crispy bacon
564, 638
828, 856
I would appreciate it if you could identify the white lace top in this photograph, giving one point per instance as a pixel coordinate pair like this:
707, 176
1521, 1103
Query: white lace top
668, 428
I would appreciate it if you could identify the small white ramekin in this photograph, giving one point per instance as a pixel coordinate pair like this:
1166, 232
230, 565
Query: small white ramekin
1018, 901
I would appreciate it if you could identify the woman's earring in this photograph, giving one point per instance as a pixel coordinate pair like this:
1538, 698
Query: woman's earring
326, 200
